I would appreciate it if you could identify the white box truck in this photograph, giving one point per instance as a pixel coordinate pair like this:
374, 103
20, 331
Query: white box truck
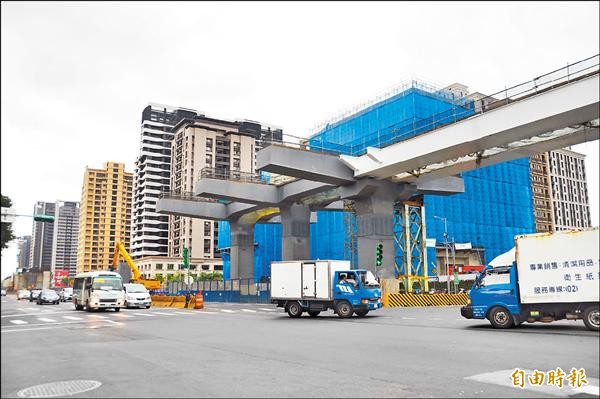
314, 286
546, 277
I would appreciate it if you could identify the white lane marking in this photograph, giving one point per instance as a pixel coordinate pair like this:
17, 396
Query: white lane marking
409, 318
97, 316
227, 311
123, 315
435, 318
249, 310
18, 322
32, 308
503, 378
163, 313
33, 314
269, 310
72, 318
144, 314
46, 319
114, 322
30, 329
183, 312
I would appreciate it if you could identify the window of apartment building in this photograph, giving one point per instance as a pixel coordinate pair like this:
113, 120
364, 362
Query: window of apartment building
236, 163
193, 267
159, 266
170, 266
209, 160
206, 246
236, 149
205, 267
206, 228
209, 145
218, 267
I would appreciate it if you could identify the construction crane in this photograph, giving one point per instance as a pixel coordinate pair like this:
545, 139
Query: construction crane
150, 284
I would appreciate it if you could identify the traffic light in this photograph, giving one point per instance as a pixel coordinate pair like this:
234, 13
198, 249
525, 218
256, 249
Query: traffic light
186, 259
379, 255
43, 218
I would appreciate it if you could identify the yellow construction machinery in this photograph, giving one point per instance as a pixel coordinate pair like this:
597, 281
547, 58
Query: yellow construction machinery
150, 284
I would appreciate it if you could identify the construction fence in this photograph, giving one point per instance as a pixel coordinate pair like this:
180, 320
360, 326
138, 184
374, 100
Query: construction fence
237, 290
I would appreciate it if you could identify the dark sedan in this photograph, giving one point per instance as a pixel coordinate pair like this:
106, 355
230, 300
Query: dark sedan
48, 296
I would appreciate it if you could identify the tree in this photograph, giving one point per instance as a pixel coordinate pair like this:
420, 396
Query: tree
7, 232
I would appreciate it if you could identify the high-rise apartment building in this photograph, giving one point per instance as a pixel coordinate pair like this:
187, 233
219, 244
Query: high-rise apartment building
104, 215
564, 186
218, 147
40, 256
66, 234
149, 230
24, 250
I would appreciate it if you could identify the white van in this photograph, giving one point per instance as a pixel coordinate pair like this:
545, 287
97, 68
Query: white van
98, 290
136, 295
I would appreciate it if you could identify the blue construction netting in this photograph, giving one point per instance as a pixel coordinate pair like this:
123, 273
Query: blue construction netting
496, 206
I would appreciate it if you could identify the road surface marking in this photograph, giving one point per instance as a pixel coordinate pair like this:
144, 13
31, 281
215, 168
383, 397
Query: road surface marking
18, 322
183, 312
503, 378
114, 322
46, 319
123, 315
409, 318
435, 318
72, 318
163, 313
249, 310
269, 310
97, 316
33, 314
144, 314
227, 310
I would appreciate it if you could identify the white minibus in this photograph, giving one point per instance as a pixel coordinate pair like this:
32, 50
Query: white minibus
98, 290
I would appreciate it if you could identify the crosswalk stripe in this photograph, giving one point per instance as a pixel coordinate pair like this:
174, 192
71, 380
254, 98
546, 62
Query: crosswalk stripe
46, 319
268, 310
227, 311
183, 312
97, 316
249, 310
72, 318
144, 314
163, 313
18, 322
123, 315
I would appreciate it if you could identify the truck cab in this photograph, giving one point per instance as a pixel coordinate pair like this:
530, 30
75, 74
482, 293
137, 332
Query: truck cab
495, 296
359, 288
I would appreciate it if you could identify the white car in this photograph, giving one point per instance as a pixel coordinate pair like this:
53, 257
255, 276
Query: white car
3, 292
136, 295
23, 294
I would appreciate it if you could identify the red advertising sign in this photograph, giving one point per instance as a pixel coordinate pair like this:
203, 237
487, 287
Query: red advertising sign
58, 277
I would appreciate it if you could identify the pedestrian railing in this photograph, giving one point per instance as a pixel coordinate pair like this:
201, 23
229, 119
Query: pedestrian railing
236, 291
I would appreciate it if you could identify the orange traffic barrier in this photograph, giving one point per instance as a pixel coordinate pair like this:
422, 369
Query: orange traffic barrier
199, 301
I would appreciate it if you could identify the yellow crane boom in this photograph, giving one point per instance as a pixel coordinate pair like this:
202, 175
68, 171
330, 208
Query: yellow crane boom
150, 284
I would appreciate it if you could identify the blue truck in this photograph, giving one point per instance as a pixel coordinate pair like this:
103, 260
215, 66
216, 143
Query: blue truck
313, 286
544, 278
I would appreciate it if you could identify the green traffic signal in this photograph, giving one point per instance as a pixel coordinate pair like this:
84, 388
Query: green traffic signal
186, 259
43, 218
379, 255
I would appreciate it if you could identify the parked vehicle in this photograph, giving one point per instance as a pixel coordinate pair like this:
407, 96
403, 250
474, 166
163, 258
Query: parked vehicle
48, 296
66, 294
316, 286
546, 277
33, 294
96, 290
23, 294
136, 295
3, 292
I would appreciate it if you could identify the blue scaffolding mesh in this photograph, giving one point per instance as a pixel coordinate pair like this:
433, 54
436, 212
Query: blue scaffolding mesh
496, 206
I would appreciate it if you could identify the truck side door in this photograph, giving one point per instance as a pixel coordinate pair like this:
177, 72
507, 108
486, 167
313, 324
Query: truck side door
309, 277
346, 290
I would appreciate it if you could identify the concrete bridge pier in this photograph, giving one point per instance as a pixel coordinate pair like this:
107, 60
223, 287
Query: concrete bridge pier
295, 232
242, 250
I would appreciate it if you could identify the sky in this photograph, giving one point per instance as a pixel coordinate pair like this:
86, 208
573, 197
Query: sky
76, 75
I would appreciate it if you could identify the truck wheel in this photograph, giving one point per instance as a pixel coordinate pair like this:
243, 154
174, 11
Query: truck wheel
313, 313
78, 307
294, 309
500, 318
591, 318
361, 312
344, 309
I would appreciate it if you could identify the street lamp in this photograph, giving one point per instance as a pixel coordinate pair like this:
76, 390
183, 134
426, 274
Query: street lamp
446, 245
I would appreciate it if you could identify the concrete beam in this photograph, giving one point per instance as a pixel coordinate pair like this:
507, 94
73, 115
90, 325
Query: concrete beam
196, 209
443, 186
304, 164
237, 191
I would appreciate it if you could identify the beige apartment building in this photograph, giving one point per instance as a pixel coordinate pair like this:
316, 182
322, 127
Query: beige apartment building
220, 148
560, 196
105, 215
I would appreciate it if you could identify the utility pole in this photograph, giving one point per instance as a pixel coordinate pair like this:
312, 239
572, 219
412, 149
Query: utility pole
446, 244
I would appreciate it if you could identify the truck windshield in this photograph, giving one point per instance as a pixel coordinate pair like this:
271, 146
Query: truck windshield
107, 283
367, 278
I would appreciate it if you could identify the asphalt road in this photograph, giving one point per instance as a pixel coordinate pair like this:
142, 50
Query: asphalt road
243, 350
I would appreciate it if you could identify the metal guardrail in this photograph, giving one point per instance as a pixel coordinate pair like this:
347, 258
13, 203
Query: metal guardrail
185, 195
233, 175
